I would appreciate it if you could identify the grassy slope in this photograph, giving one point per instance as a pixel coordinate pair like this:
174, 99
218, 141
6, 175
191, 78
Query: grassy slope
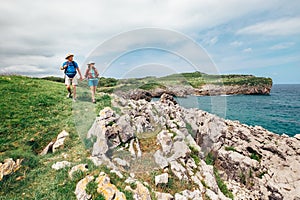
33, 112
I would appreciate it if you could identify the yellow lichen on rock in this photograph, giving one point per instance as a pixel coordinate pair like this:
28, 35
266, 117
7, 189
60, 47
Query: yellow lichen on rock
108, 190
9, 166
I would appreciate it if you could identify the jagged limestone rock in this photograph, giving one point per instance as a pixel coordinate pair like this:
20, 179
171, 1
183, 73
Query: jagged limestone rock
141, 192
165, 140
127, 132
60, 140
100, 147
80, 192
9, 166
108, 190
106, 113
249, 159
179, 150
178, 170
160, 159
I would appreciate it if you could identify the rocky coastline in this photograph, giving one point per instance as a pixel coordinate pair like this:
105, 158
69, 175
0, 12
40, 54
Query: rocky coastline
214, 158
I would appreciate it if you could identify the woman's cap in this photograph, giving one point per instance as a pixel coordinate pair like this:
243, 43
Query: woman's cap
91, 62
69, 55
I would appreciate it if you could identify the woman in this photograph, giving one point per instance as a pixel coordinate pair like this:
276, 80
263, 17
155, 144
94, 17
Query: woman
92, 75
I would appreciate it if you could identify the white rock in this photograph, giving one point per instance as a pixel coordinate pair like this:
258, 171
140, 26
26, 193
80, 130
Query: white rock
178, 170
106, 113
195, 195
161, 179
165, 140
131, 149
297, 136
81, 186
121, 162
180, 197
47, 148
163, 196
61, 165
60, 140
80, 167
160, 159
179, 150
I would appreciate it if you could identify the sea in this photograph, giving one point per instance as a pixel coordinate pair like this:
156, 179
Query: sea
278, 112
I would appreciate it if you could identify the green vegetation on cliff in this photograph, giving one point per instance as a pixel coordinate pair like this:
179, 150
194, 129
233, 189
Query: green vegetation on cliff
194, 79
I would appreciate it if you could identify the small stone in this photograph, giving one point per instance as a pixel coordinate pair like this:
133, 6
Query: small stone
121, 162
163, 196
81, 167
161, 179
61, 165
180, 197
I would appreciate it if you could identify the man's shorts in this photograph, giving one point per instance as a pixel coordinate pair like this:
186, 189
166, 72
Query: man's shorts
71, 81
93, 82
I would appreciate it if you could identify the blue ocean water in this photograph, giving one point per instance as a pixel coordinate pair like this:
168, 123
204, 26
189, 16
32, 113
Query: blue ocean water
278, 112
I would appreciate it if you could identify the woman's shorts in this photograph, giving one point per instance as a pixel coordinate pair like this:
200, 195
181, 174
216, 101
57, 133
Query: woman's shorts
93, 82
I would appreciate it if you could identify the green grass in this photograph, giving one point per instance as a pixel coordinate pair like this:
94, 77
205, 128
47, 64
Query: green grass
33, 112
222, 185
195, 154
210, 159
255, 156
230, 148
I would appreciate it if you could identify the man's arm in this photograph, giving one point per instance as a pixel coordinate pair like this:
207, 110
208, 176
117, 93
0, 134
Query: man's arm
64, 66
79, 72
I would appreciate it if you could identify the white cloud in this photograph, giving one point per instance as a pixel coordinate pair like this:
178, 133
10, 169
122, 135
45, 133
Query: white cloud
236, 43
40, 33
284, 45
248, 50
279, 27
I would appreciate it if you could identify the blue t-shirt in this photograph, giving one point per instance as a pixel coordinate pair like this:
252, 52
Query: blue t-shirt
71, 69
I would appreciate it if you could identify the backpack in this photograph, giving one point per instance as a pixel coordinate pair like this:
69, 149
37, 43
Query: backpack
70, 71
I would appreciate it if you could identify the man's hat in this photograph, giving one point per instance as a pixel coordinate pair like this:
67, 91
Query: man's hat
91, 62
68, 55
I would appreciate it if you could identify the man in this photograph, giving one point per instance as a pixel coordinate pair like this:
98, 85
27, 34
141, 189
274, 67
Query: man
71, 68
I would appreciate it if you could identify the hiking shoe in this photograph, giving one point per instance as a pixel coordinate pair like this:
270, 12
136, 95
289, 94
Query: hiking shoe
74, 100
94, 100
69, 95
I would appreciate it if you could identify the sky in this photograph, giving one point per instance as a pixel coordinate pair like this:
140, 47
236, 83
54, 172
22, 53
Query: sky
137, 38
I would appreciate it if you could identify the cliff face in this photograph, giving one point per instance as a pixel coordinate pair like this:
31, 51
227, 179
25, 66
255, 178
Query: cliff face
210, 90
156, 145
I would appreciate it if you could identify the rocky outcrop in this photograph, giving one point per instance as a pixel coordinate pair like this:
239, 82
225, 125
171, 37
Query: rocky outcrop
9, 166
212, 90
53, 146
205, 90
213, 157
